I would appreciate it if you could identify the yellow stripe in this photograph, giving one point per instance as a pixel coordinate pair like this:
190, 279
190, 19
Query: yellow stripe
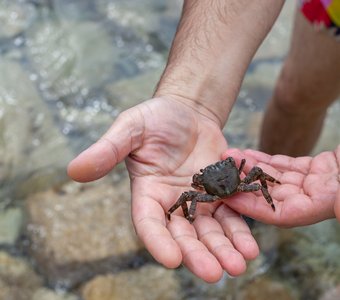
334, 11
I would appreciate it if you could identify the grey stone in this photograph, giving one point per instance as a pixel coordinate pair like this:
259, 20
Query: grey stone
10, 225
70, 57
129, 92
15, 17
33, 153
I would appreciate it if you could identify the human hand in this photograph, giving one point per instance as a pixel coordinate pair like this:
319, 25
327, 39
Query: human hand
165, 141
307, 192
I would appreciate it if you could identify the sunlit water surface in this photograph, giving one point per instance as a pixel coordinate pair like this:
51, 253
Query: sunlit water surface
67, 68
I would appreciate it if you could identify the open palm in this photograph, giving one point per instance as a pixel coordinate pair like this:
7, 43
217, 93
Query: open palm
306, 195
164, 141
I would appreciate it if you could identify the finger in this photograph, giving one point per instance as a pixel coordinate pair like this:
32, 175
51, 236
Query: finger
238, 232
238, 155
196, 257
96, 161
211, 234
158, 241
149, 220
282, 162
235, 153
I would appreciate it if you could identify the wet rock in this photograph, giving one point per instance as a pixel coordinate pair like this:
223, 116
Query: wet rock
267, 288
15, 17
10, 225
309, 258
46, 294
33, 153
129, 92
149, 282
78, 231
75, 10
18, 281
155, 21
70, 57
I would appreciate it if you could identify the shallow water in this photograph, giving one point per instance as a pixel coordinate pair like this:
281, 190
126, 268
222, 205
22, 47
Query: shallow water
67, 68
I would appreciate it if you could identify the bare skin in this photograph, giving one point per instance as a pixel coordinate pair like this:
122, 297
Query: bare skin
309, 190
166, 143
166, 139
308, 84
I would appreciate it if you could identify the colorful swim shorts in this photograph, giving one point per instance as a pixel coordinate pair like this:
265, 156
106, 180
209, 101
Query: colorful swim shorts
324, 14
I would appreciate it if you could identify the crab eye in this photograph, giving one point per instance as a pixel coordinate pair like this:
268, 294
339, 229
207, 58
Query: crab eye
230, 159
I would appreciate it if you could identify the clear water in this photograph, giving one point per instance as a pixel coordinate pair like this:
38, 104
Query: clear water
67, 68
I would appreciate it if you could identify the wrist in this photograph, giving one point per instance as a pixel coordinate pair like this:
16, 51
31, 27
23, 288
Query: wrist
212, 49
202, 93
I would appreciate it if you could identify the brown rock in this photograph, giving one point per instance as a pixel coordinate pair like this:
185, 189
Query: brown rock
267, 288
81, 230
149, 282
18, 281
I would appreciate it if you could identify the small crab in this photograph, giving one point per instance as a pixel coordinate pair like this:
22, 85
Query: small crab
221, 180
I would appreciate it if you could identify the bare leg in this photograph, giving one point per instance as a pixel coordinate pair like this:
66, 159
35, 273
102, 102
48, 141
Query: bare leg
308, 84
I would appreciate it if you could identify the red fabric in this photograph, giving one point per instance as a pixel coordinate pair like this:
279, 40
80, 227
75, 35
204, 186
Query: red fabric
315, 12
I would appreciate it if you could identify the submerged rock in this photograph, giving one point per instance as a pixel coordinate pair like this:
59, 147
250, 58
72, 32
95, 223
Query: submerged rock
17, 279
81, 230
33, 153
153, 20
15, 17
47, 294
309, 258
10, 225
267, 288
120, 94
70, 57
149, 283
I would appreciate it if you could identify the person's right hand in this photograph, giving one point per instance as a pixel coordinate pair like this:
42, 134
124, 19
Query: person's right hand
165, 141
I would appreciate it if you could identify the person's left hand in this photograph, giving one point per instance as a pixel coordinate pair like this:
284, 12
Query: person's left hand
307, 192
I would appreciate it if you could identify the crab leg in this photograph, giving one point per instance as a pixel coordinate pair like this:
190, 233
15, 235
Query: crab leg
199, 198
194, 197
243, 162
245, 187
182, 201
257, 173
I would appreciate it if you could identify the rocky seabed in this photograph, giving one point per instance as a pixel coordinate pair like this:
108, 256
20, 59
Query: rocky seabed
67, 68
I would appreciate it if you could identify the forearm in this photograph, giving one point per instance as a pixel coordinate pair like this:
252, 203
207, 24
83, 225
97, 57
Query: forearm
213, 46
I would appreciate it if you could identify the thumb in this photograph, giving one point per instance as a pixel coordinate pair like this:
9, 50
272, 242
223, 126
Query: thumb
123, 137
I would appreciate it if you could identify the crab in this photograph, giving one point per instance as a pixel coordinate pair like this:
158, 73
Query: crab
219, 181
